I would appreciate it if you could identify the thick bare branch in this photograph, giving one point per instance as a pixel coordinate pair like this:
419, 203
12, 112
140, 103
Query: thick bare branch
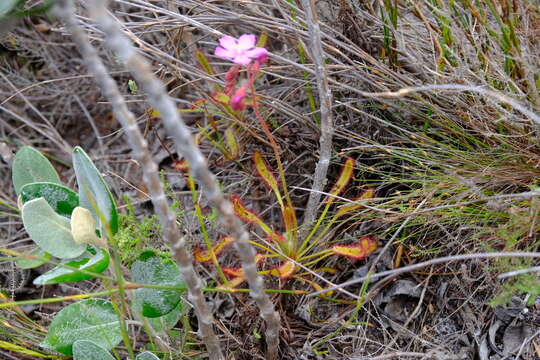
167, 219
185, 146
327, 122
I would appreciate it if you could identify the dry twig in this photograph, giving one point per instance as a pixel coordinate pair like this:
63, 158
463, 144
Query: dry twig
167, 218
185, 145
327, 122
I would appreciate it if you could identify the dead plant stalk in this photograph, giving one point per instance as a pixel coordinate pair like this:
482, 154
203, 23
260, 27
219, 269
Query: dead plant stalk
327, 122
185, 145
171, 233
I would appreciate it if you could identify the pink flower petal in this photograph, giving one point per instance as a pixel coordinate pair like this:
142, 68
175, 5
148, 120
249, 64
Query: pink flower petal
256, 53
246, 41
228, 42
242, 59
224, 53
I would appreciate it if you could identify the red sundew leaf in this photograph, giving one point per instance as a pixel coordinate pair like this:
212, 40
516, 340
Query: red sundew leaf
234, 282
221, 98
230, 79
359, 251
247, 215
222, 244
232, 143
198, 103
347, 208
284, 271
202, 256
237, 271
289, 218
233, 272
265, 173
181, 165
343, 180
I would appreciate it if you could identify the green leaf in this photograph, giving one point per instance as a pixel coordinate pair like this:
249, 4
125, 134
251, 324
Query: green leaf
163, 323
62, 199
50, 231
8, 5
88, 350
91, 183
30, 166
33, 263
146, 356
95, 260
203, 62
91, 319
150, 268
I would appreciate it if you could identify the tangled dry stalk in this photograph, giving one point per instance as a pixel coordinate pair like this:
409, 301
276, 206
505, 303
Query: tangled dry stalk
437, 101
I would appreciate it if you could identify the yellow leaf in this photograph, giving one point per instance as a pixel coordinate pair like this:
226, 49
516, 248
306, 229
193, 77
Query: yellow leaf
343, 180
284, 271
289, 218
265, 173
202, 256
221, 97
21, 350
232, 143
347, 208
318, 287
203, 62
232, 283
247, 215
359, 251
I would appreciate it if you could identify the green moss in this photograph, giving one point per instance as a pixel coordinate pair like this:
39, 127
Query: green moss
135, 234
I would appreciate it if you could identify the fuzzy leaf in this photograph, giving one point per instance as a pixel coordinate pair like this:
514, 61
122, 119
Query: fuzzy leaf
88, 350
91, 184
30, 166
163, 323
62, 199
50, 231
205, 255
359, 251
153, 269
146, 356
343, 180
33, 263
95, 261
91, 319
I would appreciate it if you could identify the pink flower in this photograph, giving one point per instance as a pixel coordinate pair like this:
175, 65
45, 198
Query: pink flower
237, 100
241, 51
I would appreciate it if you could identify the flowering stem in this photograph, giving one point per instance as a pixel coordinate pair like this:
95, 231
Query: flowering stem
275, 148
